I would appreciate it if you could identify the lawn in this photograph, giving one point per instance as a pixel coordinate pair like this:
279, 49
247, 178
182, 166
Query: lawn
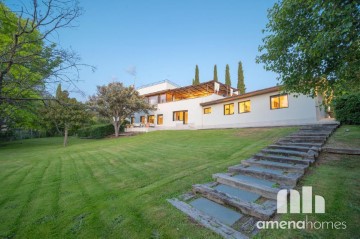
116, 188
337, 179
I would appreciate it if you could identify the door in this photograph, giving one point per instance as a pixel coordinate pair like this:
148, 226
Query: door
185, 117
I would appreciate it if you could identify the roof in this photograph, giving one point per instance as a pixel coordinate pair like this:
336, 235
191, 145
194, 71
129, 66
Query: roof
158, 83
243, 96
202, 89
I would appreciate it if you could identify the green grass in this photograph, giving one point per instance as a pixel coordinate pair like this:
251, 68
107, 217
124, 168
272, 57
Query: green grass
115, 188
336, 178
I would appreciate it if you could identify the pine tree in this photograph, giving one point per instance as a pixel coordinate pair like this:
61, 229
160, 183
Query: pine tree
241, 84
197, 80
227, 75
215, 73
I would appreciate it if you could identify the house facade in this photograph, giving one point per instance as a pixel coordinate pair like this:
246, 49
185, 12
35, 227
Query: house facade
215, 105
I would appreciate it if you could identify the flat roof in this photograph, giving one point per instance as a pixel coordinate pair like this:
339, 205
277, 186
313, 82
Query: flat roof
243, 96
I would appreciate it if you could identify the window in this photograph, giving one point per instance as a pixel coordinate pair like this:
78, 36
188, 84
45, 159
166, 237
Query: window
142, 119
132, 119
153, 100
178, 116
229, 109
162, 98
279, 101
151, 119
207, 110
244, 106
160, 119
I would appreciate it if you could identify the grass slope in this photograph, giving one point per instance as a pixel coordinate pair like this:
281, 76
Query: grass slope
115, 188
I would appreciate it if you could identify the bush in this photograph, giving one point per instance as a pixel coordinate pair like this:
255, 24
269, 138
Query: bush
96, 131
347, 109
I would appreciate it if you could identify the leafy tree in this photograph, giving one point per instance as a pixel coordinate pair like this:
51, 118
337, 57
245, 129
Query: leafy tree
314, 46
197, 80
117, 102
227, 75
29, 58
65, 113
241, 84
215, 73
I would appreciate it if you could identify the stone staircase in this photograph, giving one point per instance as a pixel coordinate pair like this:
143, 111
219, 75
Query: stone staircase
247, 193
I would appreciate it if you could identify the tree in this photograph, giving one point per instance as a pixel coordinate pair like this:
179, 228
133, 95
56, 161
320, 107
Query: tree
241, 84
215, 73
65, 113
193, 81
227, 76
314, 46
29, 58
197, 80
117, 102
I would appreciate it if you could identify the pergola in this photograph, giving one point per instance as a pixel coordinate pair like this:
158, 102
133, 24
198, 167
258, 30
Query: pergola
194, 91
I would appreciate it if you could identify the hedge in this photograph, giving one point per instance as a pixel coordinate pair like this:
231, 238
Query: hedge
347, 109
96, 131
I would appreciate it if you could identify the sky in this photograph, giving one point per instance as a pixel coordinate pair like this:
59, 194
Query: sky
166, 39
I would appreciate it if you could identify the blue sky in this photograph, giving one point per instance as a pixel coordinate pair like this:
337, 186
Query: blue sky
166, 39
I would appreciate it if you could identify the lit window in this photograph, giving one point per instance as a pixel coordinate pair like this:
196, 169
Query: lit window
229, 109
244, 106
142, 119
178, 116
207, 110
132, 120
151, 119
160, 119
279, 101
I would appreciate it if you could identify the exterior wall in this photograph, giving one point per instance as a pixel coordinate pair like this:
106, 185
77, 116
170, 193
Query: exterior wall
156, 87
193, 107
301, 110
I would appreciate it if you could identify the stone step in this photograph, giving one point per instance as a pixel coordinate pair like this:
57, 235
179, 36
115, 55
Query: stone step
302, 144
306, 138
283, 159
285, 152
275, 175
290, 167
249, 184
328, 126
320, 134
249, 208
207, 221
295, 148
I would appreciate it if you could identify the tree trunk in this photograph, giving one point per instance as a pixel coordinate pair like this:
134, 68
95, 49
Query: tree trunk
116, 127
65, 136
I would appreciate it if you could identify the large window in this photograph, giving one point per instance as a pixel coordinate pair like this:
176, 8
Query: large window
279, 101
244, 106
207, 110
229, 109
153, 100
142, 119
162, 98
178, 116
160, 119
151, 119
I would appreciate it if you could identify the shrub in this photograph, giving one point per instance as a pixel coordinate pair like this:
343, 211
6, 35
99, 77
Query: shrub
347, 108
96, 131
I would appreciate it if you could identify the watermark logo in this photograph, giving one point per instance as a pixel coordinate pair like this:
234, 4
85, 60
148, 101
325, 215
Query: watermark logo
303, 204
307, 201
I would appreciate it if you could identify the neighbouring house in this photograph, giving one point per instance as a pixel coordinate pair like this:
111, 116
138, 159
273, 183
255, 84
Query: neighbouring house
215, 105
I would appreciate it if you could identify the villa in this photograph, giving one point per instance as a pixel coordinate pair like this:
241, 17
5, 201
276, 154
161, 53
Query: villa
215, 105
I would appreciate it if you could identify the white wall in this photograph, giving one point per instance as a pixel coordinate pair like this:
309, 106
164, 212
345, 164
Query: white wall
155, 88
301, 110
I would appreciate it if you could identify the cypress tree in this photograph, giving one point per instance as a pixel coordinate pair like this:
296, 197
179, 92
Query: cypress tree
241, 84
193, 81
215, 73
227, 76
197, 80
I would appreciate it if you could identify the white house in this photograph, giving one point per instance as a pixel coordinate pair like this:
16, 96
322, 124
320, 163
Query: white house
215, 105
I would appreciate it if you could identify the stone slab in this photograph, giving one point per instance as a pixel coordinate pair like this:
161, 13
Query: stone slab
238, 193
